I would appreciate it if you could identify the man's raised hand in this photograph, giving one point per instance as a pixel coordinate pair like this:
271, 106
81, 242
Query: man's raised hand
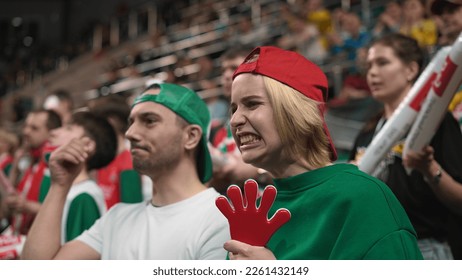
67, 161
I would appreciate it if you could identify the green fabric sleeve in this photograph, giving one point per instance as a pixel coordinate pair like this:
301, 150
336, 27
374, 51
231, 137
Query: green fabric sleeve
44, 187
83, 212
130, 187
399, 245
7, 169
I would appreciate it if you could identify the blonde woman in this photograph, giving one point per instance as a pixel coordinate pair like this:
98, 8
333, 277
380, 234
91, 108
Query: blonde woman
338, 212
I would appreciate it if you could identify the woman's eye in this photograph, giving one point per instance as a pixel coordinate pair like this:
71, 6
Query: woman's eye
252, 104
232, 110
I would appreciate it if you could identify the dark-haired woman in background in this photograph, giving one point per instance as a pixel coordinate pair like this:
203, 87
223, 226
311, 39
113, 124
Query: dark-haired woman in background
432, 193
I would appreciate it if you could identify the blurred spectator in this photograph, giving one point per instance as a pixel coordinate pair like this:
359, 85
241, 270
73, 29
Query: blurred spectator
303, 38
8, 144
449, 13
85, 201
244, 33
208, 20
389, 20
354, 35
204, 68
416, 25
62, 103
32, 186
320, 16
355, 84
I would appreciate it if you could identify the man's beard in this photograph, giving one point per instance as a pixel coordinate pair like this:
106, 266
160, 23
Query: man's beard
159, 163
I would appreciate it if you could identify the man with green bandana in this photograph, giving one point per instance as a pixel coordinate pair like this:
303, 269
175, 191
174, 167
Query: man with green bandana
168, 136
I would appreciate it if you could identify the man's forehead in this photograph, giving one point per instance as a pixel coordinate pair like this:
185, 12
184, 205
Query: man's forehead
149, 107
36, 117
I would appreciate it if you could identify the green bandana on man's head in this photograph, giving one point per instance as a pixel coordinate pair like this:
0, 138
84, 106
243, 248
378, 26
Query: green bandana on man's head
188, 105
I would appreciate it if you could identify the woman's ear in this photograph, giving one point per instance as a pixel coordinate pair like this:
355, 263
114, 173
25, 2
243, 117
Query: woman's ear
413, 71
193, 135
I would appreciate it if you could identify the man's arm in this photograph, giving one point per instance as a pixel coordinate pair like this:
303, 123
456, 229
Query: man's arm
77, 250
44, 238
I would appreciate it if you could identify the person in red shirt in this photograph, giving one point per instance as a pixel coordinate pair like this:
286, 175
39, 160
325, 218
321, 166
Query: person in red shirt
25, 201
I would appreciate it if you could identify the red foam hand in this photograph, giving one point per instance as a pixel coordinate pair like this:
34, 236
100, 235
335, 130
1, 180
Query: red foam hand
248, 223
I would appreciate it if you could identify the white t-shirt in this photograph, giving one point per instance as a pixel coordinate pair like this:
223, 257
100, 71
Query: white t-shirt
191, 229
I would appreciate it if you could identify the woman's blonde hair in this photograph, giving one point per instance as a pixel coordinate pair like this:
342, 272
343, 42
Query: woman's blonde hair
298, 123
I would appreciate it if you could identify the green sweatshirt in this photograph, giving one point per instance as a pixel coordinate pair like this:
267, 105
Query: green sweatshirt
341, 213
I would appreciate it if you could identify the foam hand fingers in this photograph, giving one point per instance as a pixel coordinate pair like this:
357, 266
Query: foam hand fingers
251, 191
225, 208
247, 223
267, 199
279, 218
235, 195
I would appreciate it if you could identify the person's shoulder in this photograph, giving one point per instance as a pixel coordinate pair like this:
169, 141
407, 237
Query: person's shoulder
358, 181
207, 205
126, 209
207, 197
362, 191
88, 187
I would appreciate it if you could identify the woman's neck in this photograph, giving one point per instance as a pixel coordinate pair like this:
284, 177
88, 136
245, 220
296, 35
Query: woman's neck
391, 105
295, 168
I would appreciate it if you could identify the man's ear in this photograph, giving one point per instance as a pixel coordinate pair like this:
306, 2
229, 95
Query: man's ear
193, 135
